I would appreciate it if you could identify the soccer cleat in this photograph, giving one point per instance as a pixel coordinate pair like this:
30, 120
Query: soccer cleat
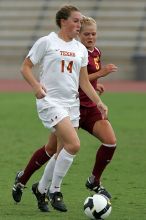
97, 188
17, 189
56, 200
42, 203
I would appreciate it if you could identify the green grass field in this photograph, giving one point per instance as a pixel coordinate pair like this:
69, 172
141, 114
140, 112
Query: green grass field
21, 132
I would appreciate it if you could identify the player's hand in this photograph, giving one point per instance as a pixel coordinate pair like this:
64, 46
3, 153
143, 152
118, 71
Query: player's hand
109, 68
39, 91
103, 109
100, 88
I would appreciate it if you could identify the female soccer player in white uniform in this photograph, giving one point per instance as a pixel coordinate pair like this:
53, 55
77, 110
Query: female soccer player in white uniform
63, 67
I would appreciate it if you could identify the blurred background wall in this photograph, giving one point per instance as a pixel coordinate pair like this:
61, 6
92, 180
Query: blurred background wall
121, 32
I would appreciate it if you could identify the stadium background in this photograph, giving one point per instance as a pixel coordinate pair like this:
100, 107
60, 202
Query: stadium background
121, 32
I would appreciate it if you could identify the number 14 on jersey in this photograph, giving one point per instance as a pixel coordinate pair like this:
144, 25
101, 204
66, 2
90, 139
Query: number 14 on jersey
68, 67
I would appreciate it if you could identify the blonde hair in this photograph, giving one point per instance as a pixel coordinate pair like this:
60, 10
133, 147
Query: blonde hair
86, 21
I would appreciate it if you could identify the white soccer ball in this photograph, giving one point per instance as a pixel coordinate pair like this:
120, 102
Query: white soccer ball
97, 206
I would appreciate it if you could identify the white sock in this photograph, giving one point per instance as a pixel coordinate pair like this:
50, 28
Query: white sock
62, 165
46, 179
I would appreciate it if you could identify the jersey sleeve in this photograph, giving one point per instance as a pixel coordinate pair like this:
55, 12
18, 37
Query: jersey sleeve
38, 50
85, 57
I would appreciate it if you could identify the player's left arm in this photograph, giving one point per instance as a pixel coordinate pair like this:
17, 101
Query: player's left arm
100, 88
104, 71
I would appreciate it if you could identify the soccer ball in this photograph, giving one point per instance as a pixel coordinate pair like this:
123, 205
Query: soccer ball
97, 206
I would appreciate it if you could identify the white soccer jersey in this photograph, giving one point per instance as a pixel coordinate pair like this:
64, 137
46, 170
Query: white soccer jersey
60, 63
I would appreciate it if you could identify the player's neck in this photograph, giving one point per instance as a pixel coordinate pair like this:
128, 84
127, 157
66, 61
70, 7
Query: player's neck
90, 49
63, 36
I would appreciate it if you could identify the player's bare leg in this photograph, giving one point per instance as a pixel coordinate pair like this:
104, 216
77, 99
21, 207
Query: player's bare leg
71, 144
104, 132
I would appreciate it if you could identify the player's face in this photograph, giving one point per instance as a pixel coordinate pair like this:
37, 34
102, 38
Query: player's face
73, 24
88, 36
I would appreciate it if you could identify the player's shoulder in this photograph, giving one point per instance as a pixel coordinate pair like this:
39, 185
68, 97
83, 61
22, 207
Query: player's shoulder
46, 38
44, 41
97, 50
41, 41
80, 45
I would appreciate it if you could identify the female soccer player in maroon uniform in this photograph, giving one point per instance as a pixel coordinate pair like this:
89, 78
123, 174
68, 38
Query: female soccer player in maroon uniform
90, 120
90, 117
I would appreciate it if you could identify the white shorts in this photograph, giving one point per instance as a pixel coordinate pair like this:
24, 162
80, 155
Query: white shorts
51, 116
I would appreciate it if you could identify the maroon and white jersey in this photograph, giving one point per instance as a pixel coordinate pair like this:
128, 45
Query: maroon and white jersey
94, 65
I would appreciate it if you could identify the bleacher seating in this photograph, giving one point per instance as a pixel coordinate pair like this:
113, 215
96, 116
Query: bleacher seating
119, 22
119, 25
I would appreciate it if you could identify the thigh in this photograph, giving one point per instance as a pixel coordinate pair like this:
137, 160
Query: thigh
104, 132
88, 118
66, 132
60, 143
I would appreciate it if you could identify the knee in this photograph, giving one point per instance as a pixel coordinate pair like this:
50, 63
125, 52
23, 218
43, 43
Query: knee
76, 147
73, 147
109, 141
112, 141
50, 149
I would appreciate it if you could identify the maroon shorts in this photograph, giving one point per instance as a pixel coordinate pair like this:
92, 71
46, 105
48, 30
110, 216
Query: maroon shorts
88, 117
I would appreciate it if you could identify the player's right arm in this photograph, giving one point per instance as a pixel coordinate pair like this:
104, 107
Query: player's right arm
27, 73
